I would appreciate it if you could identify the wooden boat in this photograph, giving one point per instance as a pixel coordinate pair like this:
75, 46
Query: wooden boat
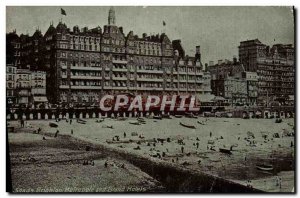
80, 121
224, 150
188, 126
157, 117
135, 123
278, 120
264, 167
178, 116
121, 119
200, 123
99, 121
51, 124
108, 126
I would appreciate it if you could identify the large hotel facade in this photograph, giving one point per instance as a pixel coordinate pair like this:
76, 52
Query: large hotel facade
83, 65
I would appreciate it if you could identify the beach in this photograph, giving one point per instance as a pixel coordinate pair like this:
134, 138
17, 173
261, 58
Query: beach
252, 142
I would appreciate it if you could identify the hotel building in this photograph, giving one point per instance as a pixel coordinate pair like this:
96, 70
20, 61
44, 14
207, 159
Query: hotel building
85, 64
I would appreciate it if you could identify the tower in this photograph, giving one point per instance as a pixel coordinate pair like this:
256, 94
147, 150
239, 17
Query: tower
111, 16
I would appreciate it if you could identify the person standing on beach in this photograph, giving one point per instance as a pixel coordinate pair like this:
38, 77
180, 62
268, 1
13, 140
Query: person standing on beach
70, 121
56, 133
182, 149
277, 181
210, 134
280, 180
124, 135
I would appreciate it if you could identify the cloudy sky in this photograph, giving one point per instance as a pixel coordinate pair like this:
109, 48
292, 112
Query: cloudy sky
218, 30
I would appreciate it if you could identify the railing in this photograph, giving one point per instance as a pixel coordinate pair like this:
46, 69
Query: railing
150, 79
86, 68
86, 77
149, 71
119, 61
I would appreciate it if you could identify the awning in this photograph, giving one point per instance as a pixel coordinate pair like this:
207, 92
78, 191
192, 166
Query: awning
219, 98
205, 97
40, 99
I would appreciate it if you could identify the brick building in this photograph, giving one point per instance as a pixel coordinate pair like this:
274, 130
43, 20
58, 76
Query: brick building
275, 67
85, 64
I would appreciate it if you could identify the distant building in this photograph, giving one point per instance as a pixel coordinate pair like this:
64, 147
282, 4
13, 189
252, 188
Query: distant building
224, 68
25, 87
231, 81
275, 67
11, 84
38, 87
235, 90
252, 86
13, 49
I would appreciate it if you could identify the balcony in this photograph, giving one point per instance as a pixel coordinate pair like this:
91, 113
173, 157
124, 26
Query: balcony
150, 79
119, 88
86, 87
120, 69
23, 94
119, 78
150, 88
199, 73
149, 71
171, 89
86, 77
86, 68
199, 81
191, 73
182, 72
191, 81
120, 61
182, 89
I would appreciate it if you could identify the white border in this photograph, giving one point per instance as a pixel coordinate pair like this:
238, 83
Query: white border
4, 3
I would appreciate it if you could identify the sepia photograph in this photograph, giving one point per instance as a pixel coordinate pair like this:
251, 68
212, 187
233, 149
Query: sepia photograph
150, 99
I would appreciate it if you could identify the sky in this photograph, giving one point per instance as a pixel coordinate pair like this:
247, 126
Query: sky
218, 30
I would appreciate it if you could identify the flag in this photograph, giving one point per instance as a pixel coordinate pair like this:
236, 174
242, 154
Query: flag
164, 23
63, 12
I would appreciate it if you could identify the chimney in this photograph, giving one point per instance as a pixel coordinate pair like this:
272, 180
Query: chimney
76, 29
121, 29
234, 60
198, 49
85, 29
198, 55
